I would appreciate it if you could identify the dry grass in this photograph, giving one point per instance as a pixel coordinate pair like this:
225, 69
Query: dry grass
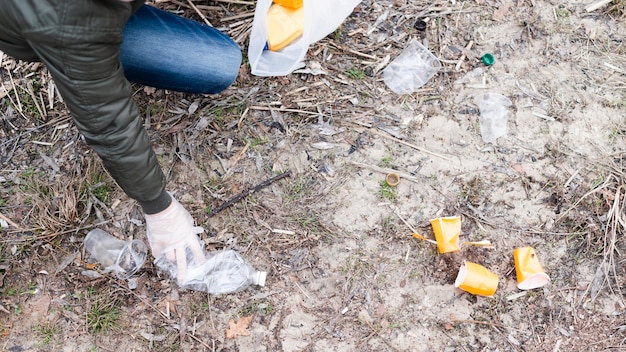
54, 201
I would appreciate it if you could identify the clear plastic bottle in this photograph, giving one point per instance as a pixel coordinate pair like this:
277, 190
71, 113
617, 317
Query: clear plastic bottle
224, 272
123, 258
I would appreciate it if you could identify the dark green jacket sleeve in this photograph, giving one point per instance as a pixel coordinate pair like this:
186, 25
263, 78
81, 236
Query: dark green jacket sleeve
79, 41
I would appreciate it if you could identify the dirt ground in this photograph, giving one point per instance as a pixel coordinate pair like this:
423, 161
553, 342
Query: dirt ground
344, 272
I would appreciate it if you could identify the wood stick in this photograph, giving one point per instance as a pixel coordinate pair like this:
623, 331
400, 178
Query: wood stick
10, 222
248, 192
264, 108
230, 171
251, 3
410, 145
463, 56
596, 5
382, 170
193, 6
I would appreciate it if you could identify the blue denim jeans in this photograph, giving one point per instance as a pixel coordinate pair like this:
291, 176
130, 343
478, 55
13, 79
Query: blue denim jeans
163, 50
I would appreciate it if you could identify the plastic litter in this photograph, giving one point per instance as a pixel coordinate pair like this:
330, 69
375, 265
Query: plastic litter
392, 179
476, 279
224, 271
447, 231
123, 258
420, 25
488, 59
321, 17
528, 269
411, 69
493, 115
284, 25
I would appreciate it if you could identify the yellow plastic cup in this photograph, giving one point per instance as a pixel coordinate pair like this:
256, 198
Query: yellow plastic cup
476, 279
528, 269
284, 25
294, 4
447, 231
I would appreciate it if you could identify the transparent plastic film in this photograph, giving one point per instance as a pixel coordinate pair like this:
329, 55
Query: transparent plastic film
223, 272
411, 69
123, 258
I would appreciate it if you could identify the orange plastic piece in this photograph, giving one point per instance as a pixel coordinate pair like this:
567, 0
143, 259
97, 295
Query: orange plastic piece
528, 269
476, 279
447, 231
294, 4
284, 25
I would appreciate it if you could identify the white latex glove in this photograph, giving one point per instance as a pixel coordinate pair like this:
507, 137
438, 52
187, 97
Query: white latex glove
174, 241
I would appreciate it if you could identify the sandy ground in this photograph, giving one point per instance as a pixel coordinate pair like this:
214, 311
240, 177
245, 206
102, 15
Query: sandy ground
344, 272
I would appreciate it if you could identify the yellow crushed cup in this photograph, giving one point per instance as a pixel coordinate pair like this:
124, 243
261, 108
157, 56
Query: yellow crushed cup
447, 231
294, 4
476, 279
528, 269
284, 25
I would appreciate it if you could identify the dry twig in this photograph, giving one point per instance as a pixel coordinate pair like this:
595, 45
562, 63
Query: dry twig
249, 191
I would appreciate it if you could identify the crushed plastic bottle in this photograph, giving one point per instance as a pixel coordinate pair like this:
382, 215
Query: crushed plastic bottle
123, 258
223, 272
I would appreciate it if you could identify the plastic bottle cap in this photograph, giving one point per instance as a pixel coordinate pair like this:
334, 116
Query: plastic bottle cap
392, 179
420, 25
488, 59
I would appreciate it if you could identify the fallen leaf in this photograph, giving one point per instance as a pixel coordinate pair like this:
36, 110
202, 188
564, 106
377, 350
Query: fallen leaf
177, 128
518, 168
239, 329
502, 12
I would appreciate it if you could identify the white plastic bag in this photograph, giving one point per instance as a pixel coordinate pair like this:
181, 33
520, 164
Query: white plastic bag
321, 17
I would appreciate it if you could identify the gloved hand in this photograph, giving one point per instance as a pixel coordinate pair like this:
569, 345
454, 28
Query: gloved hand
174, 241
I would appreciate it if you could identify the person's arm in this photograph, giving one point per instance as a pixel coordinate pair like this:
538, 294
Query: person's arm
85, 67
82, 55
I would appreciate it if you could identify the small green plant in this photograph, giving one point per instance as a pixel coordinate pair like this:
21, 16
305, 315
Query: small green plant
214, 184
47, 332
255, 141
338, 34
100, 188
297, 189
387, 192
386, 161
561, 12
31, 171
103, 314
356, 74
256, 307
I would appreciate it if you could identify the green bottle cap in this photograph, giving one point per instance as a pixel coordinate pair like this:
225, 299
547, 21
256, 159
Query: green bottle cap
488, 59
